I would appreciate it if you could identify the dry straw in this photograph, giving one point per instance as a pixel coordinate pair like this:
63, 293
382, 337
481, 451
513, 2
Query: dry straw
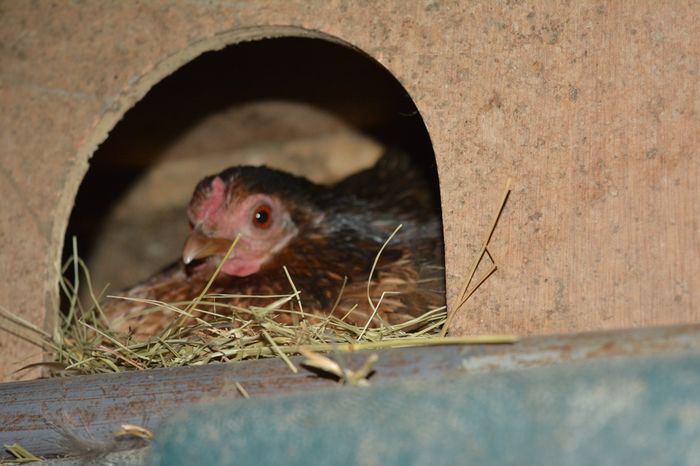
85, 344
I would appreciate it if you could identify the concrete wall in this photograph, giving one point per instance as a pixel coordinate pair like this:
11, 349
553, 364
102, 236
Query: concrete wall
590, 107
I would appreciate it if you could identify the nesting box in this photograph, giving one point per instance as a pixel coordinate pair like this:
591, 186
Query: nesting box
591, 109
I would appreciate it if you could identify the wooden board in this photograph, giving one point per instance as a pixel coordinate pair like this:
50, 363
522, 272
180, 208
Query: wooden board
591, 108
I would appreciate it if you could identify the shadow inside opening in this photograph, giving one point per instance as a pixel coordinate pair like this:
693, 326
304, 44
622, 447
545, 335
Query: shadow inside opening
308, 106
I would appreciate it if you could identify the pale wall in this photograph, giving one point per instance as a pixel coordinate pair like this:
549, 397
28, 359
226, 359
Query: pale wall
590, 107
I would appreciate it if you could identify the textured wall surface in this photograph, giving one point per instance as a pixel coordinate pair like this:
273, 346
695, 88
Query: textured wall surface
591, 107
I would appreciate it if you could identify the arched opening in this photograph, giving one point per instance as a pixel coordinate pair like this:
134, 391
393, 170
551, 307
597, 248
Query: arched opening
306, 105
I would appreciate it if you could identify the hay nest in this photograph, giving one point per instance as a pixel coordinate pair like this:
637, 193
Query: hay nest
84, 343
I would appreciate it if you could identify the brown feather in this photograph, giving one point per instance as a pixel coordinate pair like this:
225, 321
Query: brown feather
358, 214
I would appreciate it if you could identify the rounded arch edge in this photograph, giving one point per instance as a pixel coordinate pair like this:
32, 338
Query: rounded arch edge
113, 113
130, 95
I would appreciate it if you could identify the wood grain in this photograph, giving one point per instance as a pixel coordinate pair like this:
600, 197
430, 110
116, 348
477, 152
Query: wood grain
591, 108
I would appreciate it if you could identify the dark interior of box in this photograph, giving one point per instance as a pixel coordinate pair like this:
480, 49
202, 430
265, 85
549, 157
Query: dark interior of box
309, 106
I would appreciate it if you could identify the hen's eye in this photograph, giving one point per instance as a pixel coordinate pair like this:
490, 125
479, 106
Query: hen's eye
262, 218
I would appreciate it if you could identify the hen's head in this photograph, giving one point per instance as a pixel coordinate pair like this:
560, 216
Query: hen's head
268, 208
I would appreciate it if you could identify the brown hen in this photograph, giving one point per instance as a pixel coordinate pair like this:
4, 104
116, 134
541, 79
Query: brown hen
324, 235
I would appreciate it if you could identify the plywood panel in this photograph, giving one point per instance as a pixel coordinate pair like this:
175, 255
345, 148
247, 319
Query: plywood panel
590, 107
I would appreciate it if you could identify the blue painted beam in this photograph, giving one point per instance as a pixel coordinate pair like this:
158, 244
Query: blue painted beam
45, 415
632, 410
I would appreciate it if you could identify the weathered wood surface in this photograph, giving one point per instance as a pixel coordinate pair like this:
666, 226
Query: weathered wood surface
591, 107
44, 415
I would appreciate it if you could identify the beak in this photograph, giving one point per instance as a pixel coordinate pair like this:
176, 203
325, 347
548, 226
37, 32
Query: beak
199, 246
